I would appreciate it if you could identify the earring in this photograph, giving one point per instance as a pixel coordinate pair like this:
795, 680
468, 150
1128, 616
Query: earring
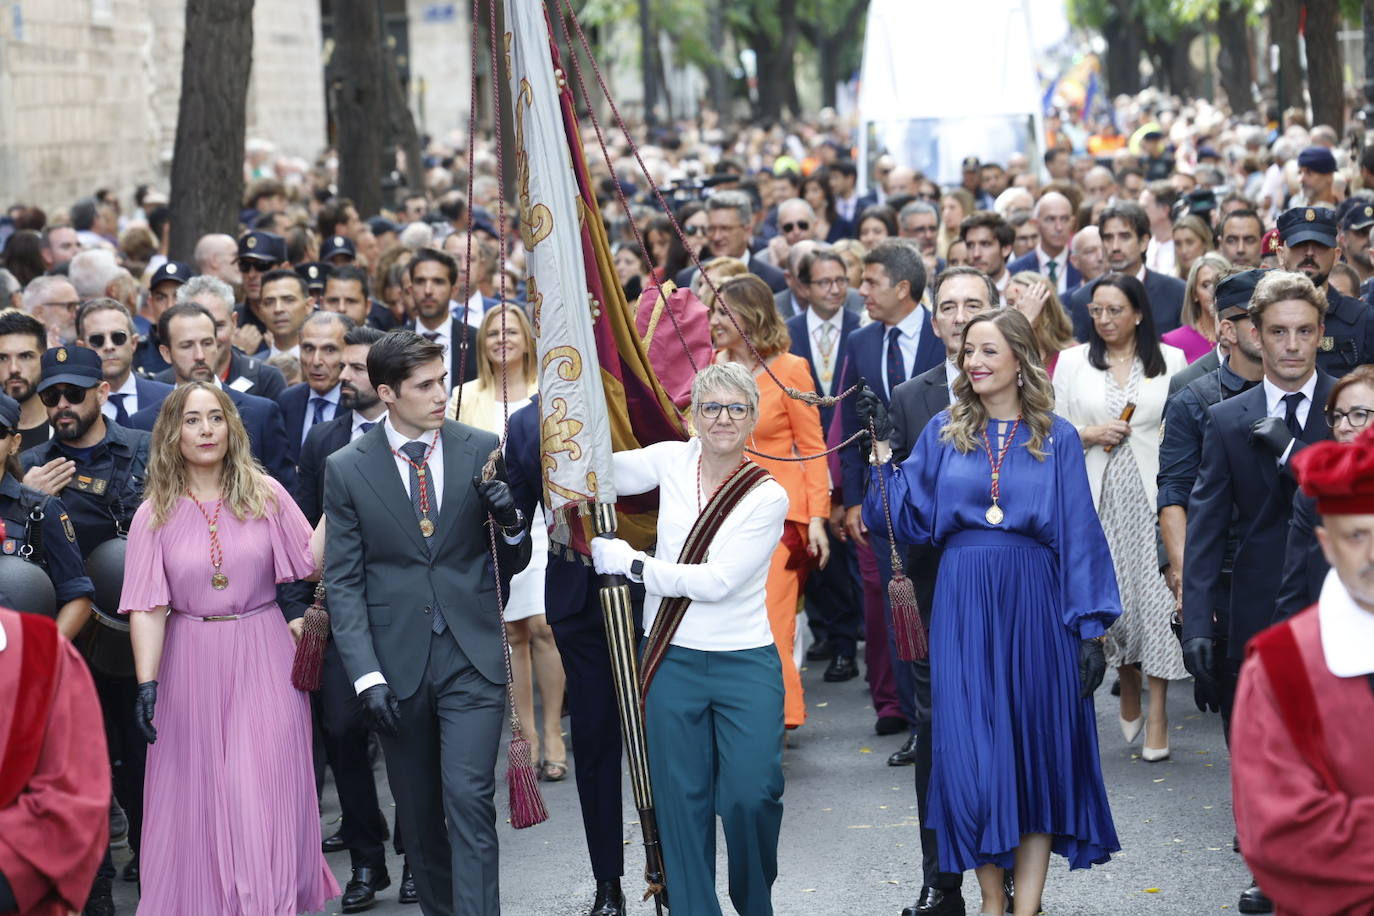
1020, 382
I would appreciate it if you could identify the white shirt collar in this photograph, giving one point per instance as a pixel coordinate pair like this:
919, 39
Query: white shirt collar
396, 440
1044, 257
1347, 630
332, 395
814, 321
290, 351
130, 386
1140, 274
359, 420
951, 373
1273, 394
444, 330
911, 324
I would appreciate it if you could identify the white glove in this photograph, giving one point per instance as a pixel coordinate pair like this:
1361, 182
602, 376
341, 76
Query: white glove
612, 556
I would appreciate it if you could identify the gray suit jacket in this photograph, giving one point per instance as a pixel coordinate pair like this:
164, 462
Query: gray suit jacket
382, 582
915, 403
783, 300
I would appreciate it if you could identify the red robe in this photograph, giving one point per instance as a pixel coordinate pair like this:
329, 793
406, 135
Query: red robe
54, 769
1304, 799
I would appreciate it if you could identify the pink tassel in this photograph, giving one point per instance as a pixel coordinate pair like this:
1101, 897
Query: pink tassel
906, 619
526, 805
309, 661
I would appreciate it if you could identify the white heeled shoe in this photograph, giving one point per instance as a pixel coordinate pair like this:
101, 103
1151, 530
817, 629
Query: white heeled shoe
1130, 728
1154, 754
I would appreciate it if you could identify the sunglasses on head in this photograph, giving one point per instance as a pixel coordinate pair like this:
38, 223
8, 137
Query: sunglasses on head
117, 339
51, 396
252, 265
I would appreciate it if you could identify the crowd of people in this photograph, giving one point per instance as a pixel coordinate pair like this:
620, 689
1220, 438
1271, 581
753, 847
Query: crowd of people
1081, 394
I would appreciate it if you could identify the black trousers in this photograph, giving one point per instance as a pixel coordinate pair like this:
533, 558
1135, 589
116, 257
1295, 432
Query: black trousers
834, 606
345, 740
595, 725
127, 746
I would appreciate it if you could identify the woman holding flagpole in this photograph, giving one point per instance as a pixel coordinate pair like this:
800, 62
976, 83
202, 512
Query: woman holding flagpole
713, 681
1025, 592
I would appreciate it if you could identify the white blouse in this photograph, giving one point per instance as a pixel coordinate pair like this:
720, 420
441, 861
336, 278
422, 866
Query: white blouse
728, 610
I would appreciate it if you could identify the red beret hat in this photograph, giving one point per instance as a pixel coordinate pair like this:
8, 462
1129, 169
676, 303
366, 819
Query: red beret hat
1269, 244
1340, 477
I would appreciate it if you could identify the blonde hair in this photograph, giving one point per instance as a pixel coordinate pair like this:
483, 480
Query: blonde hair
967, 416
718, 270
750, 300
529, 362
1192, 315
247, 493
1053, 330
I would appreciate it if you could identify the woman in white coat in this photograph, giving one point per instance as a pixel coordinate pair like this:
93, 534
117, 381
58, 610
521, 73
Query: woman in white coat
1113, 389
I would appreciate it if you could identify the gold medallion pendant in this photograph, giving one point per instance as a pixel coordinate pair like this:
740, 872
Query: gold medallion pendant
426, 527
994, 515
219, 581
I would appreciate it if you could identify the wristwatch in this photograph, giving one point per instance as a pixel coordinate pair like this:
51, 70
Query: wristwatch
637, 569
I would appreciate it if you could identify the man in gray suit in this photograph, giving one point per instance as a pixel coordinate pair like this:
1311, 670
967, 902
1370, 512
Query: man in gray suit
413, 606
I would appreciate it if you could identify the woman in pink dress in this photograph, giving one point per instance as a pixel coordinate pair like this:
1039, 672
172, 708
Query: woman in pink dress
231, 823
1197, 335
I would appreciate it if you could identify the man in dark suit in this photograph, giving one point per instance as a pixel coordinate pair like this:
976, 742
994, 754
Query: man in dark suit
105, 326
1125, 231
820, 335
318, 398
729, 215
1053, 215
899, 344
843, 176
191, 347
244, 374
796, 298
1245, 454
415, 615
959, 293
572, 607
433, 274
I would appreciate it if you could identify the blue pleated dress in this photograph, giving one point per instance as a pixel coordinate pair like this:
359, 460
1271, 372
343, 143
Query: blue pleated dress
1015, 747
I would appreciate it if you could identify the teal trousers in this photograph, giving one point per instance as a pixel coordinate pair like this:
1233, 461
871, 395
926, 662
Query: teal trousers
714, 727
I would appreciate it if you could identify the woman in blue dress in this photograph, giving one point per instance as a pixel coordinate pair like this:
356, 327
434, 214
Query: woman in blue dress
1025, 592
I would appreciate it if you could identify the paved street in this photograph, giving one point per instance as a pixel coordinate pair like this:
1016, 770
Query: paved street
850, 842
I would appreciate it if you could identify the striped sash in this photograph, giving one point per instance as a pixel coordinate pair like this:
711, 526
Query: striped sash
672, 610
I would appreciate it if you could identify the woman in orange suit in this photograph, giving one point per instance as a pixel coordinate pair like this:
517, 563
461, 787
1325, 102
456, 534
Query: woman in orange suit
786, 428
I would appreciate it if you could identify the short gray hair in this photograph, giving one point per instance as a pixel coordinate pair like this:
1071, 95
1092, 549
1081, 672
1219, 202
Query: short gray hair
732, 200
205, 283
724, 377
916, 208
91, 271
40, 288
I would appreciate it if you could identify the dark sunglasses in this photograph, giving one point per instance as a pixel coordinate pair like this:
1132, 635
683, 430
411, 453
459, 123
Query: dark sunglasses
695, 230
801, 224
252, 265
51, 396
117, 338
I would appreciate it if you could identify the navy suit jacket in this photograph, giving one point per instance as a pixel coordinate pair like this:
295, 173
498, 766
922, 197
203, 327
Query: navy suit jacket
864, 361
457, 331
324, 440
266, 433
801, 346
247, 374
150, 393
1028, 261
769, 274
1166, 302
295, 407
783, 301
1236, 476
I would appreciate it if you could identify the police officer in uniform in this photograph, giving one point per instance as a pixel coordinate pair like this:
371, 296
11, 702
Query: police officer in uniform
1308, 236
99, 474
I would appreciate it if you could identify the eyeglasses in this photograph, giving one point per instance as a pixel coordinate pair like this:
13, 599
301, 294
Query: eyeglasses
801, 224
117, 339
252, 265
695, 230
51, 396
1115, 312
830, 283
711, 409
69, 306
1357, 417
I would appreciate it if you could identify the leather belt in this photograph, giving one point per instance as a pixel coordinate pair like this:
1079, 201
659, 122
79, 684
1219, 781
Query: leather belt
216, 618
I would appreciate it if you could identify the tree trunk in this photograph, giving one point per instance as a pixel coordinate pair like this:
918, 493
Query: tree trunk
207, 161
1233, 56
1183, 76
402, 121
1324, 81
715, 73
1123, 54
359, 102
1283, 24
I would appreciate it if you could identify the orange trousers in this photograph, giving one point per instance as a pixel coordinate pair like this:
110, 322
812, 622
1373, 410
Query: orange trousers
783, 592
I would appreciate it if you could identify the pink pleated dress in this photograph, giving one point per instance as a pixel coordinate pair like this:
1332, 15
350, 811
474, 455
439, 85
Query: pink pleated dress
231, 824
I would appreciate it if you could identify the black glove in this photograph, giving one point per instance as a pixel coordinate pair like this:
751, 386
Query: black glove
381, 709
498, 501
1272, 433
1198, 659
1092, 666
143, 709
871, 407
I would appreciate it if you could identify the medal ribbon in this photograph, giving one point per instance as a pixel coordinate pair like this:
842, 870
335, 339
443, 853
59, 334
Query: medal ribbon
423, 477
216, 550
996, 465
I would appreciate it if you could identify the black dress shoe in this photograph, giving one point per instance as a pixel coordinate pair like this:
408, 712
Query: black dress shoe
101, 901
333, 843
936, 902
841, 669
610, 901
906, 756
130, 872
362, 888
890, 725
408, 893
1253, 900
820, 651
1116, 687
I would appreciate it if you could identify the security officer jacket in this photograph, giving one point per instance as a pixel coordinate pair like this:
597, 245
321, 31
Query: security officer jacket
1348, 340
1185, 420
107, 488
38, 528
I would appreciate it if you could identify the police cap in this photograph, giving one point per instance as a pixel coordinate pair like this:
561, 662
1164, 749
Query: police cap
338, 246
1308, 224
175, 271
314, 273
78, 366
262, 246
1317, 159
1233, 293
